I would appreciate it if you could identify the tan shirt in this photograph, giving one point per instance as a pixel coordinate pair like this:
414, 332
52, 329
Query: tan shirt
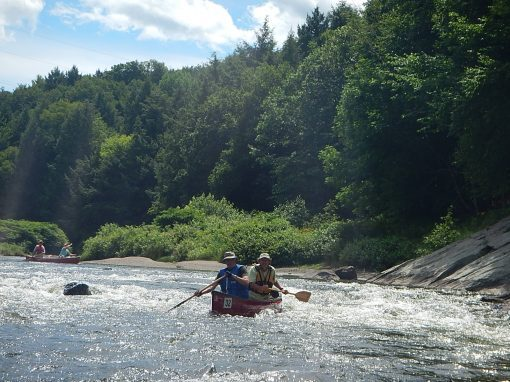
266, 276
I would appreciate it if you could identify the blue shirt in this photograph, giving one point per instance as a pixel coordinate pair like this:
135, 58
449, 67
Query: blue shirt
230, 286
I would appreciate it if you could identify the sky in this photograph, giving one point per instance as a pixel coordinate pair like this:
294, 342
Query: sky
37, 36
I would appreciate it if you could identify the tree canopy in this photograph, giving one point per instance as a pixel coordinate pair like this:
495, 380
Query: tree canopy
394, 113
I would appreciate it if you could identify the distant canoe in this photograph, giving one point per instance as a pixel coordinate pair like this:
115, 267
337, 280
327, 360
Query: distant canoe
226, 304
54, 259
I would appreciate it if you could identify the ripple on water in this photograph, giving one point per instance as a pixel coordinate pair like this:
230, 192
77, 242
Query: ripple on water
350, 332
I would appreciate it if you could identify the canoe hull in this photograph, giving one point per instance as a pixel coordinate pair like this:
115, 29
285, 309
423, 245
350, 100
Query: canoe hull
54, 259
225, 304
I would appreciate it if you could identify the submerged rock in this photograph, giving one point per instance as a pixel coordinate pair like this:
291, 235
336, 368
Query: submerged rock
75, 289
480, 263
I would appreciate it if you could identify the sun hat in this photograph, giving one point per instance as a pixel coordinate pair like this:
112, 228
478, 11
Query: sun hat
264, 255
229, 256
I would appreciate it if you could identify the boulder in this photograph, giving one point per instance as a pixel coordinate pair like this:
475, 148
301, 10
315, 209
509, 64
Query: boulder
479, 263
324, 275
347, 273
74, 289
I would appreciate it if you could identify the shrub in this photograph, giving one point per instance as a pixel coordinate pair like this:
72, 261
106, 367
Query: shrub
209, 206
294, 211
247, 235
441, 235
114, 241
328, 237
206, 239
376, 254
321, 243
7, 249
211, 228
263, 232
25, 234
173, 216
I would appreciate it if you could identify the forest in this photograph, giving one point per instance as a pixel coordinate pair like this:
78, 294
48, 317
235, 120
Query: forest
369, 137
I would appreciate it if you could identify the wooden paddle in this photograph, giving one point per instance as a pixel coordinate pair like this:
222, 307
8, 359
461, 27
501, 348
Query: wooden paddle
303, 295
201, 290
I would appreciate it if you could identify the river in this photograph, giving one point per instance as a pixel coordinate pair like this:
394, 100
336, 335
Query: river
346, 332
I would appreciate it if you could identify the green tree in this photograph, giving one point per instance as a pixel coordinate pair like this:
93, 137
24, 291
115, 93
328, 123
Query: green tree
265, 44
72, 76
55, 78
190, 148
237, 170
127, 72
309, 34
394, 156
290, 51
108, 187
297, 123
54, 139
342, 14
476, 36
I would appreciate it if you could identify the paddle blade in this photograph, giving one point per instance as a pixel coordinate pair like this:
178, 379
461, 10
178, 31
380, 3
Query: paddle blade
303, 295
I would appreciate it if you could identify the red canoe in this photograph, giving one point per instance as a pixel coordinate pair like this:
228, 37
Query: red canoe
225, 304
54, 259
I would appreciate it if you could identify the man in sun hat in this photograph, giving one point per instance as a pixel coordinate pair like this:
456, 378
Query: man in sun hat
262, 280
233, 279
65, 252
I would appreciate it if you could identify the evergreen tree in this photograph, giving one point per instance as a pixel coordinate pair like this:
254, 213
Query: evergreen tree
309, 34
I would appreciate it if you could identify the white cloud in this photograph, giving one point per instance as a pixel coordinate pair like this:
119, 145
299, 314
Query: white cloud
286, 15
202, 21
158, 24
14, 13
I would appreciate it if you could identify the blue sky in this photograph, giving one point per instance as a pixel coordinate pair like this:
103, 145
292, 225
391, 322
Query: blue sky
39, 35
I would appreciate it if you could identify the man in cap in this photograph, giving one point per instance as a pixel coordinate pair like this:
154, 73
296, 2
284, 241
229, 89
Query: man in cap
262, 280
235, 282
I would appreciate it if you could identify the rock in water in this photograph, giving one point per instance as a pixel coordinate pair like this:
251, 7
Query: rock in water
75, 289
325, 275
209, 370
347, 273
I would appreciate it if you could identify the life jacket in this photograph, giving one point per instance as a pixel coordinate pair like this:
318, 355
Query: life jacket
268, 279
231, 286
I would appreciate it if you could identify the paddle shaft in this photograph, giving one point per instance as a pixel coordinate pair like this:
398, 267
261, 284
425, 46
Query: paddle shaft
303, 296
201, 291
278, 290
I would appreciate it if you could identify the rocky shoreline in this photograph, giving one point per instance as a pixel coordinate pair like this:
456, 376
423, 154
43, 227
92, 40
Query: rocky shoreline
479, 263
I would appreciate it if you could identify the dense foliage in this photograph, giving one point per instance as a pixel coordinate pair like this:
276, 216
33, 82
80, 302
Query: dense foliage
19, 236
210, 226
353, 139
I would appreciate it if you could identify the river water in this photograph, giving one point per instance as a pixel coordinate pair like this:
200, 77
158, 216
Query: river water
346, 332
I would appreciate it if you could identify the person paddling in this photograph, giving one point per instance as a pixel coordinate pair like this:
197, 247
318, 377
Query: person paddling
262, 278
65, 252
233, 279
39, 249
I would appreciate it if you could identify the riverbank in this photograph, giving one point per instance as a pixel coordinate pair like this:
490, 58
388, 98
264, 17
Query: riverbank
479, 263
213, 266
323, 273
